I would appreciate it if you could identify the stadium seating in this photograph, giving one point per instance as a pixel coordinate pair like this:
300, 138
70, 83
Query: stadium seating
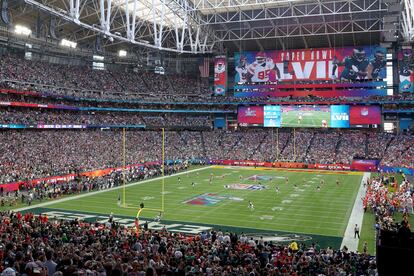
85, 150
79, 248
81, 81
45, 116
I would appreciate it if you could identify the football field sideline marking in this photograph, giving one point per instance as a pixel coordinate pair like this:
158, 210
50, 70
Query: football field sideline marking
106, 190
356, 217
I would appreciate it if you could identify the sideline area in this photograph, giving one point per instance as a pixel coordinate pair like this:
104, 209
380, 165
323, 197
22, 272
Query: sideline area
356, 217
105, 190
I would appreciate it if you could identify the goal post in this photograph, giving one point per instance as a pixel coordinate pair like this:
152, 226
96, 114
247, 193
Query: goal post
124, 200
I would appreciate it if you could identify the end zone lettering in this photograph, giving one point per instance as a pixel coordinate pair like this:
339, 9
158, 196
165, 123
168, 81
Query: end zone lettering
129, 222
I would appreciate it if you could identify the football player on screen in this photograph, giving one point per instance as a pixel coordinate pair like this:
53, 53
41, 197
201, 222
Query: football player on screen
219, 68
406, 70
299, 118
260, 69
241, 69
376, 65
355, 65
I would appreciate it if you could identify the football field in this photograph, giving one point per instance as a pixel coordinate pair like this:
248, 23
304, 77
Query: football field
299, 209
309, 118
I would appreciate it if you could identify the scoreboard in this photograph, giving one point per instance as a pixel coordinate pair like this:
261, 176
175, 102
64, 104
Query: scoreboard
324, 116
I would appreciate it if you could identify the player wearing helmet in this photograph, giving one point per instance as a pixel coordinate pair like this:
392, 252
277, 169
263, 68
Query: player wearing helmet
261, 58
260, 69
241, 70
219, 68
406, 70
355, 66
376, 66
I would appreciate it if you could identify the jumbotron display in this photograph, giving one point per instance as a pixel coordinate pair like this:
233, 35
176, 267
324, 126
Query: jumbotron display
266, 73
322, 116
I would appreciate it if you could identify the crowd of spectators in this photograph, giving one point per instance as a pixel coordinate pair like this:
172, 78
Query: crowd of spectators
402, 149
385, 197
297, 146
324, 147
42, 190
353, 146
82, 81
39, 245
9, 115
33, 154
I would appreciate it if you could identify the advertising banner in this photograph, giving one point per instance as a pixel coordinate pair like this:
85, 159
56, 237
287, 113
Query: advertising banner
407, 171
68, 177
406, 70
364, 165
291, 165
261, 73
220, 75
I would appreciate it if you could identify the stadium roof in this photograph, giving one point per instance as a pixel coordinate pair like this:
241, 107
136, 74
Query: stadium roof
203, 26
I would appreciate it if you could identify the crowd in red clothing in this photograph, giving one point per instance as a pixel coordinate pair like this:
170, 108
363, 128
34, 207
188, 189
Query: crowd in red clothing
385, 196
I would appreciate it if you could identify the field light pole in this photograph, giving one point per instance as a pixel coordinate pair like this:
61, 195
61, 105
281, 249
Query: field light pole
123, 165
277, 144
162, 169
294, 144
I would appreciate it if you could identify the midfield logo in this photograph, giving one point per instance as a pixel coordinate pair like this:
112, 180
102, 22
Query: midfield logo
245, 187
210, 199
260, 177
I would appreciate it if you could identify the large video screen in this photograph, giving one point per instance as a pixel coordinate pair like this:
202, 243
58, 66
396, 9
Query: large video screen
309, 116
250, 115
272, 116
340, 116
306, 116
261, 73
406, 70
365, 115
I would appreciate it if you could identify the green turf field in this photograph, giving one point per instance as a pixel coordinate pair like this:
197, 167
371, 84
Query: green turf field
300, 210
309, 118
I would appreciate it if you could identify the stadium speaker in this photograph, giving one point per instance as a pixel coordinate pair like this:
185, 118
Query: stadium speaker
52, 28
98, 44
5, 12
390, 19
389, 37
395, 8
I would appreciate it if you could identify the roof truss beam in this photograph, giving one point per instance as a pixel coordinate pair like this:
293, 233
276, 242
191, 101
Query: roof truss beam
296, 11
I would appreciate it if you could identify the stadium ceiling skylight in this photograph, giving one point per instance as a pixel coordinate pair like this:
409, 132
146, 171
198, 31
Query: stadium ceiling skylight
144, 11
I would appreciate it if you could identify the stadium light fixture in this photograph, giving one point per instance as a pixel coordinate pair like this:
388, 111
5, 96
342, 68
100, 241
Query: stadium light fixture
68, 43
122, 53
22, 30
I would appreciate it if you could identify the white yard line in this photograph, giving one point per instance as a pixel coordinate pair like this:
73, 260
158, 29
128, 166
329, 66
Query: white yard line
355, 218
104, 191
